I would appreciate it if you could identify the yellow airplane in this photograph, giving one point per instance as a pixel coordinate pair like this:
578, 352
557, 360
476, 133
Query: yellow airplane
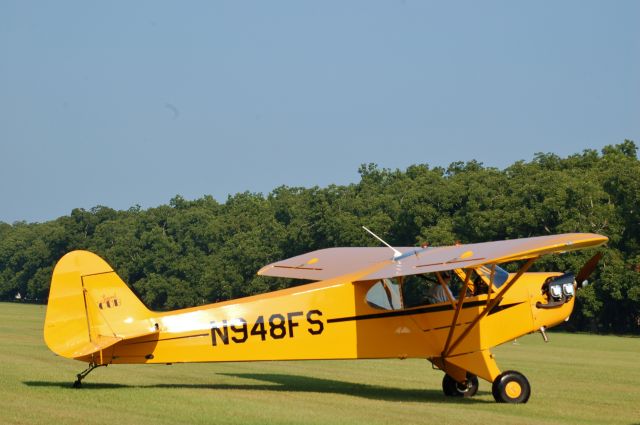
365, 303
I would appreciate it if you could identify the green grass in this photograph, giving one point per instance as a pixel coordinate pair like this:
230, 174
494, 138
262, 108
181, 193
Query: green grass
580, 379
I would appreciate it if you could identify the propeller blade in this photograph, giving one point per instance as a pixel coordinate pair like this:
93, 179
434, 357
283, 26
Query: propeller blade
587, 269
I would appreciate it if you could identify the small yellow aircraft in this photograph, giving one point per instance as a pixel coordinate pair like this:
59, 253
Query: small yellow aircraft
365, 303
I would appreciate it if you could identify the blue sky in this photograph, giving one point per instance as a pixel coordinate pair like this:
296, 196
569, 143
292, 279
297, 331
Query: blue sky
122, 103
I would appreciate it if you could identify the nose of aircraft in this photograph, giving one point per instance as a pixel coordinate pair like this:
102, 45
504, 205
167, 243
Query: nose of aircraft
553, 302
557, 291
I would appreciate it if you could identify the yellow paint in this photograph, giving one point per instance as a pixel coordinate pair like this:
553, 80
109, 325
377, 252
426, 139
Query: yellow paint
93, 316
513, 389
312, 261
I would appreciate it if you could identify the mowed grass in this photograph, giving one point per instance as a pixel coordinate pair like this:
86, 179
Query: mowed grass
576, 379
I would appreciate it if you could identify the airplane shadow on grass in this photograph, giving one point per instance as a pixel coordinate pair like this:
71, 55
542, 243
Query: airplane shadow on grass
291, 383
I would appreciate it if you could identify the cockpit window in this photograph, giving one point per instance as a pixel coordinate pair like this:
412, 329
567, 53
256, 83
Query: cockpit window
417, 290
385, 294
426, 289
409, 291
499, 278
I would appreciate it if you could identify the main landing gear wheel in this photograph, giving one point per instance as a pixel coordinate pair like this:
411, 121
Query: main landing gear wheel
452, 388
511, 387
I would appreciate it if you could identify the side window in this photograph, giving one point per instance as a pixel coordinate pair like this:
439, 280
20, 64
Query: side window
425, 289
415, 289
458, 277
385, 295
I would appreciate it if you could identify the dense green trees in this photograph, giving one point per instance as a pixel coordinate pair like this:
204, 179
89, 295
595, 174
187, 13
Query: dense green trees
195, 252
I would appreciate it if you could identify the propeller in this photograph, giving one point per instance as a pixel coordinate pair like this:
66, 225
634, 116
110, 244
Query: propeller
587, 269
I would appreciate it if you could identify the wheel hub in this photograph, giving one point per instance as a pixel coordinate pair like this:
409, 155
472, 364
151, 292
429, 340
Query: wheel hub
513, 389
463, 388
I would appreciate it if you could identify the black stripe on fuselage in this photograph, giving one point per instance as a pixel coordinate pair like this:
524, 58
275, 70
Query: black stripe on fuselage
421, 310
499, 308
165, 339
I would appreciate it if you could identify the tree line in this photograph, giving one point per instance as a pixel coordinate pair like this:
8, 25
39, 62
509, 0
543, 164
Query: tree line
195, 252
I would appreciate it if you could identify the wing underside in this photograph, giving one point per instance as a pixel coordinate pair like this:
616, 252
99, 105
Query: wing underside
333, 262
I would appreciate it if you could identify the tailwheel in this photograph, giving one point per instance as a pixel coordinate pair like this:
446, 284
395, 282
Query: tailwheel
452, 388
79, 377
511, 387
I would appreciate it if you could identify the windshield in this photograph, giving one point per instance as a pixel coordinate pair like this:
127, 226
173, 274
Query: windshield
500, 275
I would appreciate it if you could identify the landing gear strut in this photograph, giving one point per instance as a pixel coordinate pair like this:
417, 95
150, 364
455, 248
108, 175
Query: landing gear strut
452, 388
81, 375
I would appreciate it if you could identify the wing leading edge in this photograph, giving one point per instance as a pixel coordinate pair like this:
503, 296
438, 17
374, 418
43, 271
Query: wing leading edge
333, 262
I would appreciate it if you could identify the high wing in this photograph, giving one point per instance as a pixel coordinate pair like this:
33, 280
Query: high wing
333, 262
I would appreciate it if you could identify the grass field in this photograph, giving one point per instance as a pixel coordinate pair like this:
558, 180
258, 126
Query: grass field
578, 379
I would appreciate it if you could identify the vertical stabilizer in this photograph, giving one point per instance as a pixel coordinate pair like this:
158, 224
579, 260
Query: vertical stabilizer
91, 308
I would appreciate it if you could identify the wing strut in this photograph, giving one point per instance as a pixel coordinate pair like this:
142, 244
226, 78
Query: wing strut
463, 293
487, 309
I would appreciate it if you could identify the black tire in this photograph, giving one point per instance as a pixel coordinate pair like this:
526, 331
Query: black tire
452, 388
511, 387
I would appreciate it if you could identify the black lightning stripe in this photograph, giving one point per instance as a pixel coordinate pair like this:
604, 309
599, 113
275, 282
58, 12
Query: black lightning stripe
421, 310
165, 339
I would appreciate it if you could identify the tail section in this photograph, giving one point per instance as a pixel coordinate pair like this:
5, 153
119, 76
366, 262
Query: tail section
91, 309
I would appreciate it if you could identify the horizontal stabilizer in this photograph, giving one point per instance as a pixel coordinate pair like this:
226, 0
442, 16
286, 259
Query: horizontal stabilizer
102, 342
96, 345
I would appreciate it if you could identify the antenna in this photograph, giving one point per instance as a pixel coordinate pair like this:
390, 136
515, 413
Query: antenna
396, 253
